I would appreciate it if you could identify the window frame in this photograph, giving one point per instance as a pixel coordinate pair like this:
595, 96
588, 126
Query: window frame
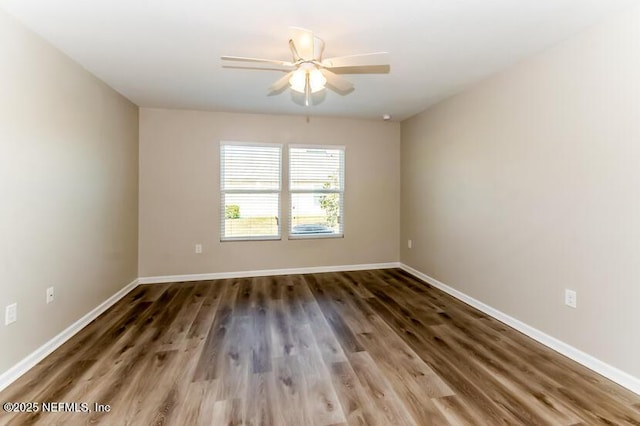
341, 191
223, 192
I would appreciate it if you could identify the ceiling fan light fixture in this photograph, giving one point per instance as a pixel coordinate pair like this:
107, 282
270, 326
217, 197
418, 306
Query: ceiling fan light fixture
298, 80
316, 80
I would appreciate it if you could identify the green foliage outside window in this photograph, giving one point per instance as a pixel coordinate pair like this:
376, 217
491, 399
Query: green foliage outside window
232, 211
330, 203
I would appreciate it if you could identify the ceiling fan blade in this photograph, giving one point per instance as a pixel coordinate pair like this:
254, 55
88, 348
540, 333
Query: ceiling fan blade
294, 51
240, 67
366, 69
281, 83
266, 61
363, 60
336, 81
303, 41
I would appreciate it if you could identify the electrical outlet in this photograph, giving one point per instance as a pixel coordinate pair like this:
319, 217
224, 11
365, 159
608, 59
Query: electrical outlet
409, 243
570, 298
11, 314
50, 295
198, 249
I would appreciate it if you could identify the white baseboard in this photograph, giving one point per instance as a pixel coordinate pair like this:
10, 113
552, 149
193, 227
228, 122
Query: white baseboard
612, 373
265, 272
39, 354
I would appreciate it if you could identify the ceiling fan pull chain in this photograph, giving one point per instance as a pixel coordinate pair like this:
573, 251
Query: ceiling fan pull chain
307, 90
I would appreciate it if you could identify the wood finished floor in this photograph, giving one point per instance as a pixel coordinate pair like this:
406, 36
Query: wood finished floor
359, 348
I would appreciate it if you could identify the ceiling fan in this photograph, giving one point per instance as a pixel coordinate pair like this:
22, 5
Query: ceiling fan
309, 73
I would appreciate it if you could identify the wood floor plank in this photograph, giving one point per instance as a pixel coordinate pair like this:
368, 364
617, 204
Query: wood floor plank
389, 407
344, 301
353, 279
294, 297
356, 404
259, 402
455, 411
274, 286
407, 383
228, 412
328, 343
290, 390
202, 322
324, 407
154, 396
375, 347
243, 301
173, 337
280, 324
234, 363
260, 344
340, 328
198, 403
175, 406
212, 347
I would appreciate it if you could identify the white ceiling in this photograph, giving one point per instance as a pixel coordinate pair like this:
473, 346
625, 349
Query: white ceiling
163, 53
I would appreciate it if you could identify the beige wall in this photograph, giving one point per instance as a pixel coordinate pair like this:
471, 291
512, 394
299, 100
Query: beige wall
180, 192
530, 183
68, 190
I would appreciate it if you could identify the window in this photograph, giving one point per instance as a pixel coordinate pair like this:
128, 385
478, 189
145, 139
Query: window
250, 191
316, 185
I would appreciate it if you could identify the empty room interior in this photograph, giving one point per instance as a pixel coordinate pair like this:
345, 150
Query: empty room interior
332, 213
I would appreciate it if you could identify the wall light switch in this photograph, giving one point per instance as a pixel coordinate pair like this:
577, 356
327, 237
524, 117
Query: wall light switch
11, 314
198, 249
50, 295
570, 298
409, 243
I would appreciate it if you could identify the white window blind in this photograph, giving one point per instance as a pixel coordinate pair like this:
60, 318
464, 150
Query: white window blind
250, 176
316, 186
